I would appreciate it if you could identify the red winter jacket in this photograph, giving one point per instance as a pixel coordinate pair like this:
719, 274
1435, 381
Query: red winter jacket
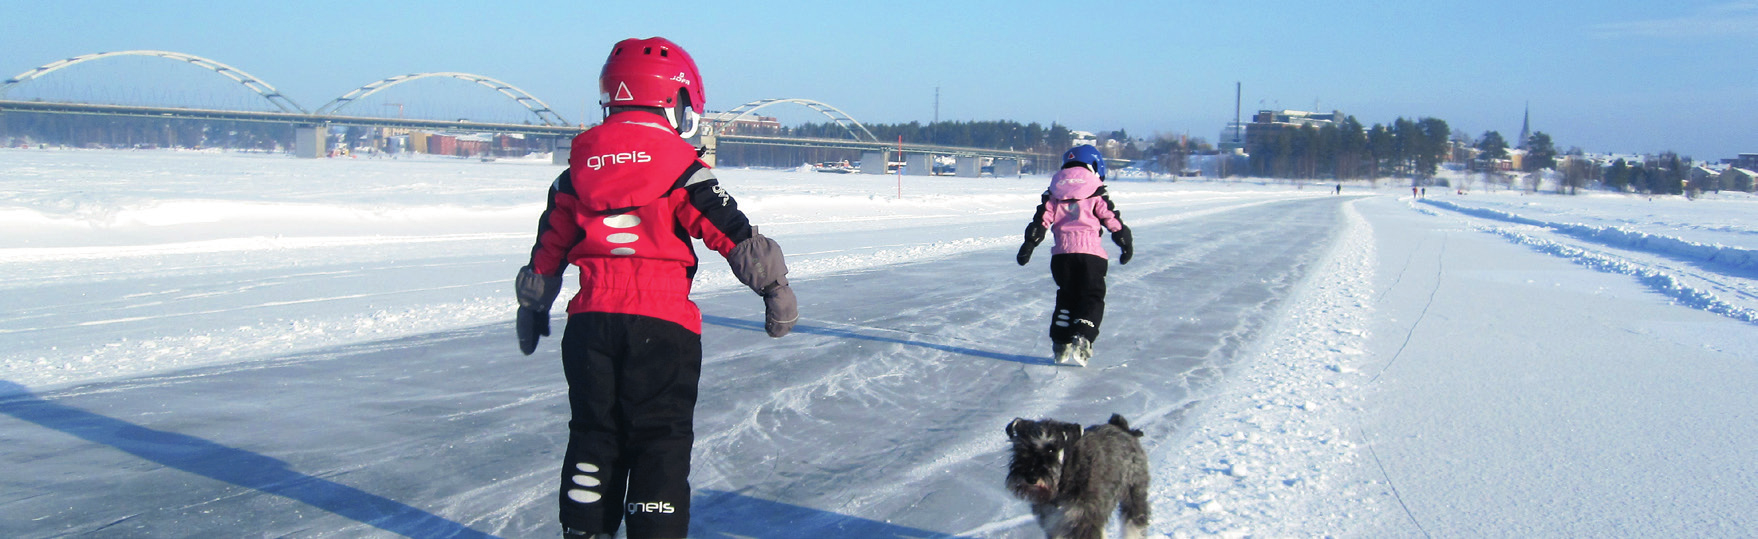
624, 212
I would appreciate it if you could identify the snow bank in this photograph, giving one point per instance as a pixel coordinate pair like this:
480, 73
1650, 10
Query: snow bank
1274, 453
1660, 281
1721, 255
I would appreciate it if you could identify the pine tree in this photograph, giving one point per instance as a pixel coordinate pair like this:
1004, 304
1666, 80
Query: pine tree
1541, 153
1432, 146
1493, 145
1618, 176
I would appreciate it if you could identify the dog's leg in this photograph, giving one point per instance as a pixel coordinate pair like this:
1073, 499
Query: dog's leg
1049, 519
1081, 521
1134, 509
1085, 529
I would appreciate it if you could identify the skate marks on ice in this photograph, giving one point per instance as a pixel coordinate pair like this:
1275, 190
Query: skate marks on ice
867, 333
892, 408
205, 458
729, 515
447, 435
846, 429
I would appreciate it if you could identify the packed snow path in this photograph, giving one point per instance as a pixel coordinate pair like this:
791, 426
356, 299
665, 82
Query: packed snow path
1514, 394
881, 417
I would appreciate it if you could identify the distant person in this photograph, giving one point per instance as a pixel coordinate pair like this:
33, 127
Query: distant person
1339, 189
1077, 210
632, 349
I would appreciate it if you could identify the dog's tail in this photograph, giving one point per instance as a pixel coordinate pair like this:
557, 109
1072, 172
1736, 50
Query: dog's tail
1118, 421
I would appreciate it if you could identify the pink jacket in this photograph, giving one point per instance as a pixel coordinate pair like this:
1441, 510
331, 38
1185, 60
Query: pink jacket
1076, 209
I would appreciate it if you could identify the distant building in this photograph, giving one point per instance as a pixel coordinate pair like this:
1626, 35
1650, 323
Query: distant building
746, 125
1083, 138
1232, 136
461, 145
1704, 178
1737, 179
1266, 125
442, 144
1748, 161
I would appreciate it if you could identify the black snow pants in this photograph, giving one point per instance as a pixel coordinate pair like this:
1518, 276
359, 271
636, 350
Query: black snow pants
1080, 296
632, 383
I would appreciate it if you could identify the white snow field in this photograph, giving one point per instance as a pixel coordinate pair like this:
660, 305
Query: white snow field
223, 344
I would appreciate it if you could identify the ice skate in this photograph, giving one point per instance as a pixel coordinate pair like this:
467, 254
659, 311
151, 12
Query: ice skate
1061, 352
1080, 351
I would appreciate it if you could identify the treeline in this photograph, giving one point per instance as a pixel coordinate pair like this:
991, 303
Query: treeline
1000, 135
131, 132
1664, 174
79, 130
1348, 150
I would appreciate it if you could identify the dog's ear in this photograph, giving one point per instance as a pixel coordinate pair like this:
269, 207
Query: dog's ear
1011, 433
1071, 432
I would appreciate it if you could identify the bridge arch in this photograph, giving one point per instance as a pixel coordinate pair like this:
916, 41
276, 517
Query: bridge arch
837, 115
257, 85
532, 103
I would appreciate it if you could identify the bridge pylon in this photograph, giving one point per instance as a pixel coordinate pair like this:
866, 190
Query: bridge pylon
311, 141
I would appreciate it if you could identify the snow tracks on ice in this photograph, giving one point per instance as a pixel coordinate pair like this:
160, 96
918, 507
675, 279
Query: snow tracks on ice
1733, 258
1271, 454
1714, 278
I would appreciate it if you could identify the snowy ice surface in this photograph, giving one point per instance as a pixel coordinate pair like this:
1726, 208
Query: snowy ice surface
212, 343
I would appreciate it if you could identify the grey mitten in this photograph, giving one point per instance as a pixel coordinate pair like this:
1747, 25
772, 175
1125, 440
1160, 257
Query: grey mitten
780, 310
536, 294
759, 264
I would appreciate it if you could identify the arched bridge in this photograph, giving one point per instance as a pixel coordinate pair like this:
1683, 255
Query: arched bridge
312, 124
544, 114
237, 75
841, 118
535, 105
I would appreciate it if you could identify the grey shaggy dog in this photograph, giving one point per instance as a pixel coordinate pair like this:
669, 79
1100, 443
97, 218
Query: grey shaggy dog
1074, 478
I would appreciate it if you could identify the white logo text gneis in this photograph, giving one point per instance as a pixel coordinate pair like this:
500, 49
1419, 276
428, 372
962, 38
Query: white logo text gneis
599, 161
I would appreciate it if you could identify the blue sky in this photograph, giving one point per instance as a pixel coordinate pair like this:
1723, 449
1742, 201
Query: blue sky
1608, 76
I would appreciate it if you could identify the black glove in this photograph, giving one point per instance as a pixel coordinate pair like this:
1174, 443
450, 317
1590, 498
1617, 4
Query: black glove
532, 324
536, 293
1125, 242
1034, 234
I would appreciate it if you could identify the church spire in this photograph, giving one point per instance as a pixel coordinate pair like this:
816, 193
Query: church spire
1525, 127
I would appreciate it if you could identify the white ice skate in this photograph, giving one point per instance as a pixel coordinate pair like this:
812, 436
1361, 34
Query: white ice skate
1074, 353
1080, 351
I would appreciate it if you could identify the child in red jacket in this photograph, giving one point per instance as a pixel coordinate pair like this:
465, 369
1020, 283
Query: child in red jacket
624, 212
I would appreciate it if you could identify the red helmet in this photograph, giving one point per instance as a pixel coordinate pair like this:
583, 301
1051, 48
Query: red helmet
653, 72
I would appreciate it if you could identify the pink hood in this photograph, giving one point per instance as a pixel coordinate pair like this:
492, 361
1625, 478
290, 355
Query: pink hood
1074, 214
1074, 183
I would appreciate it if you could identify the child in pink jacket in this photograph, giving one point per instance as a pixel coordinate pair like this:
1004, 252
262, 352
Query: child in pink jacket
1077, 211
